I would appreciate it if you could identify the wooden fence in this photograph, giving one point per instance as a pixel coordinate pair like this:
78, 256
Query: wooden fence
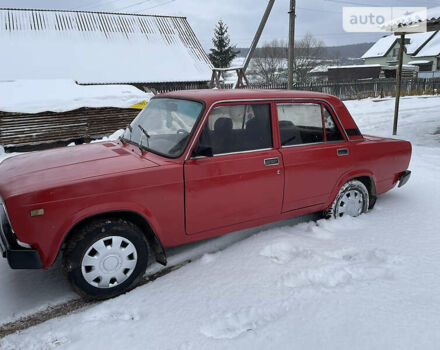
18, 129
362, 89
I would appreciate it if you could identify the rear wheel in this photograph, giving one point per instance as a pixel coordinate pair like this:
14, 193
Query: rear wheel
105, 258
352, 200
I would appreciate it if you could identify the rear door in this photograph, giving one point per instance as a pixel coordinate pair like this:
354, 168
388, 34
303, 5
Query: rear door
243, 181
315, 153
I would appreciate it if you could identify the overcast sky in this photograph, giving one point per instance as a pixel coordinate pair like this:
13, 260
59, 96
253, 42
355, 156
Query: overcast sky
323, 18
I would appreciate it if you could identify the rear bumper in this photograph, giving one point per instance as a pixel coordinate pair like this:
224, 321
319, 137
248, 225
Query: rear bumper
18, 257
403, 179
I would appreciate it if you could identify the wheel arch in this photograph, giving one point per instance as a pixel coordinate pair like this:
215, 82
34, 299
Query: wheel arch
369, 183
366, 177
132, 216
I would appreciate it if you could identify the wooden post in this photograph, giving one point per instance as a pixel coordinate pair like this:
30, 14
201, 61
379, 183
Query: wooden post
211, 84
292, 16
399, 82
258, 34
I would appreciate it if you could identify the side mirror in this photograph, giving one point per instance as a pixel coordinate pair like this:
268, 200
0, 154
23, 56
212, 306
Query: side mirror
203, 151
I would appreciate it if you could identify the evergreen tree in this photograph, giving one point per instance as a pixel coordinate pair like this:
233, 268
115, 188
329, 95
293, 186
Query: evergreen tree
223, 52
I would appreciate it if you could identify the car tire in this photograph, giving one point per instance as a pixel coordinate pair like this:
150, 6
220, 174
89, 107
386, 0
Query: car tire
353, 199
105, 258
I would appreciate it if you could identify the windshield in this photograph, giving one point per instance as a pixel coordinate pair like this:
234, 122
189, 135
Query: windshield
164, 126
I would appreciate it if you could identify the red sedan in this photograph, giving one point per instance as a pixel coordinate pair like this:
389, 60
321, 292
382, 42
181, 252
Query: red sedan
192, 165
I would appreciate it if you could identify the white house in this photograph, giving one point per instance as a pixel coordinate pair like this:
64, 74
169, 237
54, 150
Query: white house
385, 51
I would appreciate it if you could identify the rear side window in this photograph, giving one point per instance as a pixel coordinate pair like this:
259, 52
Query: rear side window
300, 123
331, 129
238, 128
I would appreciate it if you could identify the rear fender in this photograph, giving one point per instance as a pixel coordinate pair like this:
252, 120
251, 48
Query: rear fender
350, 176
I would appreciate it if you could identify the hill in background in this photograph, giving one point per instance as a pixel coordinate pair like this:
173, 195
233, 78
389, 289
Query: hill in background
344, 53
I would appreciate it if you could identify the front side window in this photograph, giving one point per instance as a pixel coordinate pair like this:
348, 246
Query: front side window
300, 123
237, 128
164, 126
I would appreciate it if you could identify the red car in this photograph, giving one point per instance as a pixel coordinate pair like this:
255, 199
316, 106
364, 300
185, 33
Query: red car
192, 165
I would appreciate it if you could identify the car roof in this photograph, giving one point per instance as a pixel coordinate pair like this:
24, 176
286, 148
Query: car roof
210, 96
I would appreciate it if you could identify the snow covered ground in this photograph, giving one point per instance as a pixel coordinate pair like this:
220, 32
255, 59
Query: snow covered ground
366, 283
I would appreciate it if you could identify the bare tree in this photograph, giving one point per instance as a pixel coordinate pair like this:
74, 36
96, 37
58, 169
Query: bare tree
308, 52
269, 65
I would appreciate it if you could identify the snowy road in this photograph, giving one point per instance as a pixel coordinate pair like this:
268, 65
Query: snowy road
365, 283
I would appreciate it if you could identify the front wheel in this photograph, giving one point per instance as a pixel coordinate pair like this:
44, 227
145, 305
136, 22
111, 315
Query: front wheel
105, 258
353, 200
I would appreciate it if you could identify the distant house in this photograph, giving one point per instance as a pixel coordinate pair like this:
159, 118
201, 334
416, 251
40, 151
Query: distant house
429, 55
159, 52
335, 74
385, 51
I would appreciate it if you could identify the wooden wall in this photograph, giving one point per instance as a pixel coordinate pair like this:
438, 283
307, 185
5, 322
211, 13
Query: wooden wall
17, 129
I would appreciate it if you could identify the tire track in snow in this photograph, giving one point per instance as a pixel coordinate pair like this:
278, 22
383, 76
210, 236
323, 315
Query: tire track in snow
72, 306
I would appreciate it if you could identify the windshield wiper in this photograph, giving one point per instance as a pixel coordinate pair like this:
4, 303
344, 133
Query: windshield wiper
146, 135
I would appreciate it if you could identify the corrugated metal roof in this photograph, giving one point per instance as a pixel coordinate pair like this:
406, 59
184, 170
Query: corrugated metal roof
432, 48
406, 24
97, 47
384, 44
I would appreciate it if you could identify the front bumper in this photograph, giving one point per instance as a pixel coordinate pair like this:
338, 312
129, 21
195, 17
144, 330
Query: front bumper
18, 257
403, 179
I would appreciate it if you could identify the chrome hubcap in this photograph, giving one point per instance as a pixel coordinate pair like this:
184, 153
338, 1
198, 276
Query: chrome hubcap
109, 262
351, 203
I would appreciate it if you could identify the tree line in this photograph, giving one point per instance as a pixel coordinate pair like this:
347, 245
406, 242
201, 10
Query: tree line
269, 64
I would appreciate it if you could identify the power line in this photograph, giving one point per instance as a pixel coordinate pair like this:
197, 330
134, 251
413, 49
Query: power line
319, 10
152, 7
350, 2
97, 3
133, 5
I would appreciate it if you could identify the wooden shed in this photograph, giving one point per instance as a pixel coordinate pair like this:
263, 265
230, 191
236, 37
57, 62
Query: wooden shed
36, 114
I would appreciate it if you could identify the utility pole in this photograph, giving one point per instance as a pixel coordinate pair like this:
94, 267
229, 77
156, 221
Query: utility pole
398, 82
292, 15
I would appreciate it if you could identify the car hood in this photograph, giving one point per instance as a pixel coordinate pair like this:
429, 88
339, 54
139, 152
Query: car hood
46, 169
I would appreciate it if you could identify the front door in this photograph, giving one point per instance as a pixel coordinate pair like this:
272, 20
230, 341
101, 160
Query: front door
243, 180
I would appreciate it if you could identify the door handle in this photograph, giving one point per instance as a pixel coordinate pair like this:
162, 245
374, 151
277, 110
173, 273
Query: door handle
271, 161
343, 152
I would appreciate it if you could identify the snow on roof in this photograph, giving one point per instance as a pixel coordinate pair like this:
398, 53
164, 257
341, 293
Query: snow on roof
35, 96
357, 66
432, 47
416, 41
319, 69
420, 62
384, 44
415, 22
92, 47
381, 47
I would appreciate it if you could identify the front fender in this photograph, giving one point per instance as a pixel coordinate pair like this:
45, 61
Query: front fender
94, 210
